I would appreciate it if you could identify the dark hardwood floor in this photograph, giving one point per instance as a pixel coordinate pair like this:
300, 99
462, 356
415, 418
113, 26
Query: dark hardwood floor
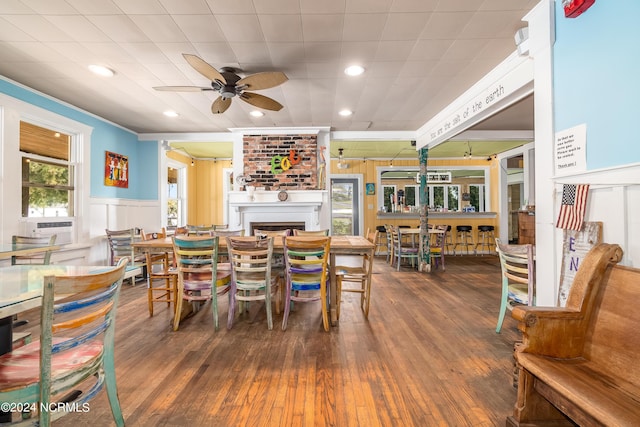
428, 356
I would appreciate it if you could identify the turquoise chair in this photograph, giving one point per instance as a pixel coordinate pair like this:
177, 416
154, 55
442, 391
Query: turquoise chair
199, 279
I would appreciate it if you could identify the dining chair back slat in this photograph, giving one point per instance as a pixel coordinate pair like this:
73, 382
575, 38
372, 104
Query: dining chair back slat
324, 232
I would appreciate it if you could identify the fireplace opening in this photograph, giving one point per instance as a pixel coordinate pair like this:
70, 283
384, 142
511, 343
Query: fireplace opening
276, 226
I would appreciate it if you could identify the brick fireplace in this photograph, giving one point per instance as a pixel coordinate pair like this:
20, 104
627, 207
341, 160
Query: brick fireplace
273, 162
281, 161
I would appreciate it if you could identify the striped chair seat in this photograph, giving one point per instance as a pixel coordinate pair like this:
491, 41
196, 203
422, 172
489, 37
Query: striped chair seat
21, 367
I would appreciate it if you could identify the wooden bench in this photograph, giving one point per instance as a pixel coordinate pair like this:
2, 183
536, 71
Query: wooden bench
580, 365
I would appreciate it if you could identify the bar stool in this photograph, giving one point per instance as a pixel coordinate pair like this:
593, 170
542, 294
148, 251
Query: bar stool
464, 238
486, 238
448, 241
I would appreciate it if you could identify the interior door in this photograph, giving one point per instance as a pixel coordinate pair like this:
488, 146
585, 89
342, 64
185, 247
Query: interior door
345, 206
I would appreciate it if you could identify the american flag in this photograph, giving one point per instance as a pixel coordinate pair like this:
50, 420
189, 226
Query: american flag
574, 203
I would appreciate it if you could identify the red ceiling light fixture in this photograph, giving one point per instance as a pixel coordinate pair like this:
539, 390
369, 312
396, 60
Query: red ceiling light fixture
575, 8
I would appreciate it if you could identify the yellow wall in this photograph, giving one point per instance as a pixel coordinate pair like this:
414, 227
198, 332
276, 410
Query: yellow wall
204, 189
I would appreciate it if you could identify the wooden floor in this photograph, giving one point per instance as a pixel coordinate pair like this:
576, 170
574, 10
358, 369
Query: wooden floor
428, 356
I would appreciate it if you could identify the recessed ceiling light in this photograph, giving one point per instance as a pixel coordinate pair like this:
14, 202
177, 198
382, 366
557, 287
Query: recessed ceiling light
354, 70
101, 70
345, 113
170, 113
256, 113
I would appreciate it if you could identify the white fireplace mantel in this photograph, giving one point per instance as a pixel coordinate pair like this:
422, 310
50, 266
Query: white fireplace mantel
264, 206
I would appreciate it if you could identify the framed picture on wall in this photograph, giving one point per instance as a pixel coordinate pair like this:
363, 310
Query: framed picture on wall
116, 170
370, 188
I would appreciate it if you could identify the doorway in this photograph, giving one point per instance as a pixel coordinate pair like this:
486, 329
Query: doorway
176, 205
345, 206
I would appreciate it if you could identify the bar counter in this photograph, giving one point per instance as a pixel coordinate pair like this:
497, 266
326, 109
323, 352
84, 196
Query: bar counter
453, 219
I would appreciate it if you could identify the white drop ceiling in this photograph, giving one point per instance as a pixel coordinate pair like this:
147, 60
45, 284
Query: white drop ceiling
419, 55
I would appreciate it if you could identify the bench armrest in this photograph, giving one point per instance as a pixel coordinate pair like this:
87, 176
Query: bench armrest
550, 331
560, 332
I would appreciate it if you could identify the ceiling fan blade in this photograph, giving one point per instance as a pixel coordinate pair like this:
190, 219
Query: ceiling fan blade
265, 80
261, 101
220, 105
181, 88
203, 67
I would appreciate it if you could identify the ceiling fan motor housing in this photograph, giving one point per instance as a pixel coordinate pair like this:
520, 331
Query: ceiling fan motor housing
229, 90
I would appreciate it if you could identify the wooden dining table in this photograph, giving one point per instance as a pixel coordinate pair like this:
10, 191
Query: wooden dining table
340, 245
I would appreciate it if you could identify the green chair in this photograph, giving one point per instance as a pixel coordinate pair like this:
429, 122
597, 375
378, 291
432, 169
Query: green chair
199, 279
518, 278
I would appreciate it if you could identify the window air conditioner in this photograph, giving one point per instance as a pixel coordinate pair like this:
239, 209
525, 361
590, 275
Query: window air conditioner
42, 227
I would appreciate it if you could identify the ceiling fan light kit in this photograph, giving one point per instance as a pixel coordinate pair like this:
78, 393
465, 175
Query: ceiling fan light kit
229, 85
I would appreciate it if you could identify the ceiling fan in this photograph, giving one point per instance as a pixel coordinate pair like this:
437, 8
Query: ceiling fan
228, 84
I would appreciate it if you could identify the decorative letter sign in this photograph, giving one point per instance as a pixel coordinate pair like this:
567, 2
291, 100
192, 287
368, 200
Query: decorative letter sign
283, 164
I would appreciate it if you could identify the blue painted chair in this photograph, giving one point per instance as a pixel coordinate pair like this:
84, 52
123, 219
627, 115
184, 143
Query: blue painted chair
306, 272
120, 246
518, 280
199, 279
75, 350
252, 278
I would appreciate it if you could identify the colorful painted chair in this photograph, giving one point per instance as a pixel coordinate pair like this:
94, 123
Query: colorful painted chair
75, 350
403, 250
199, 279
120, 246
437, 245
306, 273
252, 278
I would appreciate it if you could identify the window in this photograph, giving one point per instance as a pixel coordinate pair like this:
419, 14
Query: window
388, 197
445, 197
411, 195
47, 172
476, 194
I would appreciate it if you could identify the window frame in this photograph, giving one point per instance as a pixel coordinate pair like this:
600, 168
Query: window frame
26, 185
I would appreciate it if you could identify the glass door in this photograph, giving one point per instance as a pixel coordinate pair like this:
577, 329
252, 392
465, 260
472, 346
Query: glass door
345, 206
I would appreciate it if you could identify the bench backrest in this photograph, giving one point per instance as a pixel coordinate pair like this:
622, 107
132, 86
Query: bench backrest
613, 333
